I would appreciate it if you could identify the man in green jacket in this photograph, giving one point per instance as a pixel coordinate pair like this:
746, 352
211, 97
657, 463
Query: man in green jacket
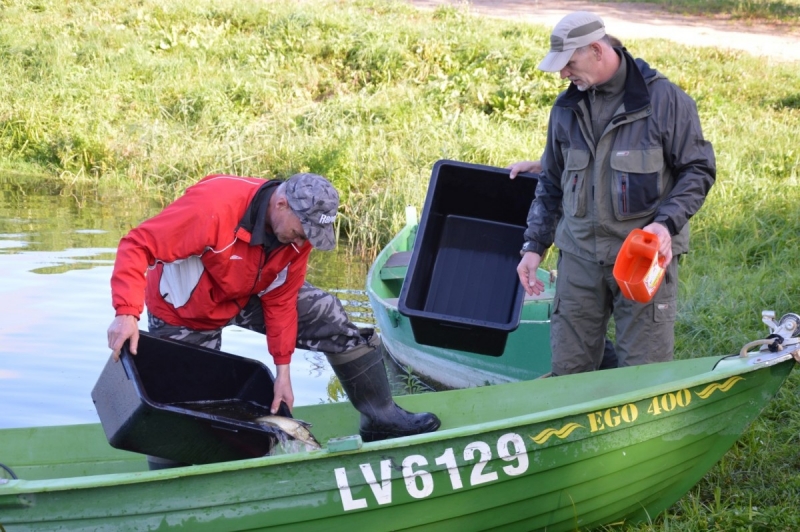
624, 150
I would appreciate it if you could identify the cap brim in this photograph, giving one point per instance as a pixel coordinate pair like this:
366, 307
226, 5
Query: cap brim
555, 61
322, 238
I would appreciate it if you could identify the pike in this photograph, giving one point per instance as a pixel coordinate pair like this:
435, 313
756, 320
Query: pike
295, 429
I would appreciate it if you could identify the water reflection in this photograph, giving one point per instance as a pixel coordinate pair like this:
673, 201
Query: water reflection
56, 254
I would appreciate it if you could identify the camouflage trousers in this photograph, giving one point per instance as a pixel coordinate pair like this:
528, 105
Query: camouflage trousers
322, 324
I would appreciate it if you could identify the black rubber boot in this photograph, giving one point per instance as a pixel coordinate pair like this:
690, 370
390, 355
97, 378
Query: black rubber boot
610, 360
363, 377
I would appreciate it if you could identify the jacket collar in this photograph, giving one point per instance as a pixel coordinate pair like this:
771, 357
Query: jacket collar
255, 217
636, 96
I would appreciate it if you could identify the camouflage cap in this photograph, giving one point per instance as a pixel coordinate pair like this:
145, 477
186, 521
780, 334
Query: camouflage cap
314, 200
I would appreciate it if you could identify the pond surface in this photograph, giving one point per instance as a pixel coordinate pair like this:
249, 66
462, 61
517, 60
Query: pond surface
57, 250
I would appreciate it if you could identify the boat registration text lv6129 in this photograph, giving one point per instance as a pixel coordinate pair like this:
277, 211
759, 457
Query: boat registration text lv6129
418, 480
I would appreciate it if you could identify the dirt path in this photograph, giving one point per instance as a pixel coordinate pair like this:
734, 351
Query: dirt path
637, 21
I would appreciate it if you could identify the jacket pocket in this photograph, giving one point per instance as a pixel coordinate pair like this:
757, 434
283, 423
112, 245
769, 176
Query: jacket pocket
573, 182
636, 182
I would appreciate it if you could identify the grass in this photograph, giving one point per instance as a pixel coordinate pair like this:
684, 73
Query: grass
103, 97
152, 98
407, 383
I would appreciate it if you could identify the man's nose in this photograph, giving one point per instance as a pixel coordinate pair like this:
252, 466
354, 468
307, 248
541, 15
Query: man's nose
564, 73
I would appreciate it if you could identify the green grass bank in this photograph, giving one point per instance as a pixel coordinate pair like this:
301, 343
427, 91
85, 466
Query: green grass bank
143, 98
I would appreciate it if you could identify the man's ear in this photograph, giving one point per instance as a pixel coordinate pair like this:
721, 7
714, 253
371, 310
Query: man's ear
597, 50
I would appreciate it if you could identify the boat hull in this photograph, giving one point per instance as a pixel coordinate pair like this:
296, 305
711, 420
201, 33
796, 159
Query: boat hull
554, 454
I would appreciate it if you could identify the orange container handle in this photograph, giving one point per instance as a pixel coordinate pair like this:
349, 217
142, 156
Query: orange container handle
643, 245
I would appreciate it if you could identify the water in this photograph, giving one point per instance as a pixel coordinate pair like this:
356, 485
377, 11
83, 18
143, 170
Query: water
56, 255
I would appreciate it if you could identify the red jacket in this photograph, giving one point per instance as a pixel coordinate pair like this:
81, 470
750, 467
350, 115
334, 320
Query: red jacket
201, 268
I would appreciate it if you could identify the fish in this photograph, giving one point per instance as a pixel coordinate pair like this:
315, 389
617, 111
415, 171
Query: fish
295, 429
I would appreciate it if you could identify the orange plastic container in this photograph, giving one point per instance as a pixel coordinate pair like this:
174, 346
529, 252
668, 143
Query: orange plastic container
639, 269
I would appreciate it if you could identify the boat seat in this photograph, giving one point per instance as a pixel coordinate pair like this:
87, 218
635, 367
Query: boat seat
396, 266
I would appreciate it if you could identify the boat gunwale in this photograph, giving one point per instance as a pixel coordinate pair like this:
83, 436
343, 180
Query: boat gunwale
22, 486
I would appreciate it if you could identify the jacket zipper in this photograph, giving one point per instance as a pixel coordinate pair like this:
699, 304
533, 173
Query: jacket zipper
262, 262
261, 265
624, 194
574, 198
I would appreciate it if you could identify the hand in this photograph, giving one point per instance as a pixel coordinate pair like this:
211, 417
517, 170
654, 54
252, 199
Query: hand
282, 389
123, 328
664, 240
524, 166
527, 273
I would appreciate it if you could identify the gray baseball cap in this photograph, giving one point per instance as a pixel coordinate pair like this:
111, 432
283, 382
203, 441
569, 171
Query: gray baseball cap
574, 31
314, 200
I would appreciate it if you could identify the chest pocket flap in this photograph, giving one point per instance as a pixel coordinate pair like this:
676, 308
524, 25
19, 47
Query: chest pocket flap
638, 161
577, 160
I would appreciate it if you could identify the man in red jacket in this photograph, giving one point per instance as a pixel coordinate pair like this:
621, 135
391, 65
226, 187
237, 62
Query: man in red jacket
234, 251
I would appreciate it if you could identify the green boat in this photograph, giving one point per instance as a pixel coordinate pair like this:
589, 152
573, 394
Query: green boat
527, 350
551, 454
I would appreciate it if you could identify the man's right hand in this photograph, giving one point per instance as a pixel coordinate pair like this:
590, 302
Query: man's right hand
123, 327
527, 273
524, 166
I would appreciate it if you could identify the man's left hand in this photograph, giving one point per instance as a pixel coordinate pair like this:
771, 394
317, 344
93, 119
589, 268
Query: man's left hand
282, 389
664, 240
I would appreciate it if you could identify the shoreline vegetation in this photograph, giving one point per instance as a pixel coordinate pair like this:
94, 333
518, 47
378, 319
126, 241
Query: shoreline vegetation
103, 98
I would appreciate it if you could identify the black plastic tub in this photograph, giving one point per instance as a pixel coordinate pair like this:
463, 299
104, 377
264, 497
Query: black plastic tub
186, 403
461, 290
